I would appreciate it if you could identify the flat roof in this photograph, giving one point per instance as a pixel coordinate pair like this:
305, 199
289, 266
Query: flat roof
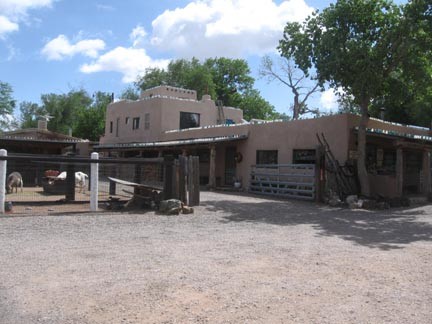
203, 140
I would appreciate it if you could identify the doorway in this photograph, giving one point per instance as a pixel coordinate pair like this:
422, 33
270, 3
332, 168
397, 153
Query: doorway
412, 166
230, 165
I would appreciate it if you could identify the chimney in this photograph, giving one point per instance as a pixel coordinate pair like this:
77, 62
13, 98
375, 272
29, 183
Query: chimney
42, 124
382, 113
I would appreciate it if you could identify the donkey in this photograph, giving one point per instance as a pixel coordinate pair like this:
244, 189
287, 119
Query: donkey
14, 180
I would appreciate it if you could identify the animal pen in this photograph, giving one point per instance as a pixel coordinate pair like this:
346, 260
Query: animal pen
53, 184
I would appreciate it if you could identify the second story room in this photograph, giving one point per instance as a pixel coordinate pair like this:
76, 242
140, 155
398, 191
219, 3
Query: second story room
162, 109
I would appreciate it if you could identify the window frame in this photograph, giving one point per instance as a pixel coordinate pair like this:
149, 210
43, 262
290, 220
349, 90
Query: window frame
183, 113
261, 159
135, 123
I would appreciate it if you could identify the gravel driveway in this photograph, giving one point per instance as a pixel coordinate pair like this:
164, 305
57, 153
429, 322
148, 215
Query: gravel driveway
237, 259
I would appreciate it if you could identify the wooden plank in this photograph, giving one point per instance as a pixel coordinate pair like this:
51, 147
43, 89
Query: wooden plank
134, 184
196, 181
168, 177
182, 180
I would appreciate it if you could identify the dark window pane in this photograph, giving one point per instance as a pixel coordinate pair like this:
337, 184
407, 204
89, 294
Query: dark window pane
267, 157
189, 120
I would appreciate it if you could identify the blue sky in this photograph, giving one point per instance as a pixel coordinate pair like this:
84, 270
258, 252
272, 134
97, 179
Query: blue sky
53, 46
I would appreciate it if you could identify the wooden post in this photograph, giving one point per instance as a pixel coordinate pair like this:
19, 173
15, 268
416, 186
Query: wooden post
3, 166
112, 188
70, 182
399, 171
212, 175
183, 164
194, 189
94, 192
168, 189
426, 172
319, 173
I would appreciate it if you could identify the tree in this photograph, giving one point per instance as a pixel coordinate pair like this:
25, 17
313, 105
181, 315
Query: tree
130, 93
90, 121
255, 106
231, 78
295, 79
7, 106
30, 113
357, 45
64, 109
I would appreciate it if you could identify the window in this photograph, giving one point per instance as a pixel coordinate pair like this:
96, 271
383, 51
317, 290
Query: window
117, 126
147, 121
135, 123
304, 156
189, 120
127, 120
111, 127
267, 157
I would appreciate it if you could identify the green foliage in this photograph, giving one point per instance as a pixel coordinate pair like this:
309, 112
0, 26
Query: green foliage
30, 113
63, 109
75, 111
231, 78
90, 123
255, 106
130, 93
7, 105
358, 45
223, 79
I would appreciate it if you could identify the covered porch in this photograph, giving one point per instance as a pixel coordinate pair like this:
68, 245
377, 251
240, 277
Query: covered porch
218, 156
399, 165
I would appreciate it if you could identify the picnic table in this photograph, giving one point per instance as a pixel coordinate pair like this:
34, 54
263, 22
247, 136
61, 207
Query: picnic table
142, 194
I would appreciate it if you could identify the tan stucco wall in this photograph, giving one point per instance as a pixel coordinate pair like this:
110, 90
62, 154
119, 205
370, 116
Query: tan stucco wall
287, 136
164, 116
132, 109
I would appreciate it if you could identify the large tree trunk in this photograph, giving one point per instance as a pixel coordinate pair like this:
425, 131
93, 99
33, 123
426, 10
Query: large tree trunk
296, 109
361, 150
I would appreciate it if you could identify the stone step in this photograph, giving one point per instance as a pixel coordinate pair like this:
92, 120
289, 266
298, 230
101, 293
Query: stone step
418, 200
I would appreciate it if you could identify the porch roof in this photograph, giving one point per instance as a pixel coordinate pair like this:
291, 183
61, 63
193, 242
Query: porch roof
191, 141
393, 134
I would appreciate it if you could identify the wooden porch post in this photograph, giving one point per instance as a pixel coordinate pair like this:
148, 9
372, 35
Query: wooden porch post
212, 172
426, 172
399, 171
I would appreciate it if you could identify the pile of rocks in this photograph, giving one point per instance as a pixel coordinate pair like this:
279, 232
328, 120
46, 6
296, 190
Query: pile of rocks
174, 207
354, 202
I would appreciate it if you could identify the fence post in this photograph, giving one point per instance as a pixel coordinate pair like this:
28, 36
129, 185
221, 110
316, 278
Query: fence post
70, 182
3, 164
168, 177
183, 160
94, 175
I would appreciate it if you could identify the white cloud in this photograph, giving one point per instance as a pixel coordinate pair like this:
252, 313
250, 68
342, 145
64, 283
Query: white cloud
138, 36
59, 48
328, 99
232, 28
16, 11
7, 26
131, 62
104, 7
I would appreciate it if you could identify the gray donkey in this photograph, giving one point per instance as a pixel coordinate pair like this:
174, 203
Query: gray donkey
14, 180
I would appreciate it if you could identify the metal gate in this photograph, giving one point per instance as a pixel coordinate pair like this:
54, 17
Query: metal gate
284, 180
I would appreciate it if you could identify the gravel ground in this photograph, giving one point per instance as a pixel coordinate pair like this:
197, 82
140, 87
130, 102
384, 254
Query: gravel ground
237, 259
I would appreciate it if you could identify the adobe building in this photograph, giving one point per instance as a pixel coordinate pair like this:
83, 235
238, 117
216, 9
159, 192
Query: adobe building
172, 121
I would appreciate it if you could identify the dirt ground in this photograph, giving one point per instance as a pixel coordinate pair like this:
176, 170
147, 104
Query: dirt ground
237, 259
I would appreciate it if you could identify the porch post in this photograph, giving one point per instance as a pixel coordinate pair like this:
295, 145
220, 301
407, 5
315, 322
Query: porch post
399, 171
212, 172
426, 172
